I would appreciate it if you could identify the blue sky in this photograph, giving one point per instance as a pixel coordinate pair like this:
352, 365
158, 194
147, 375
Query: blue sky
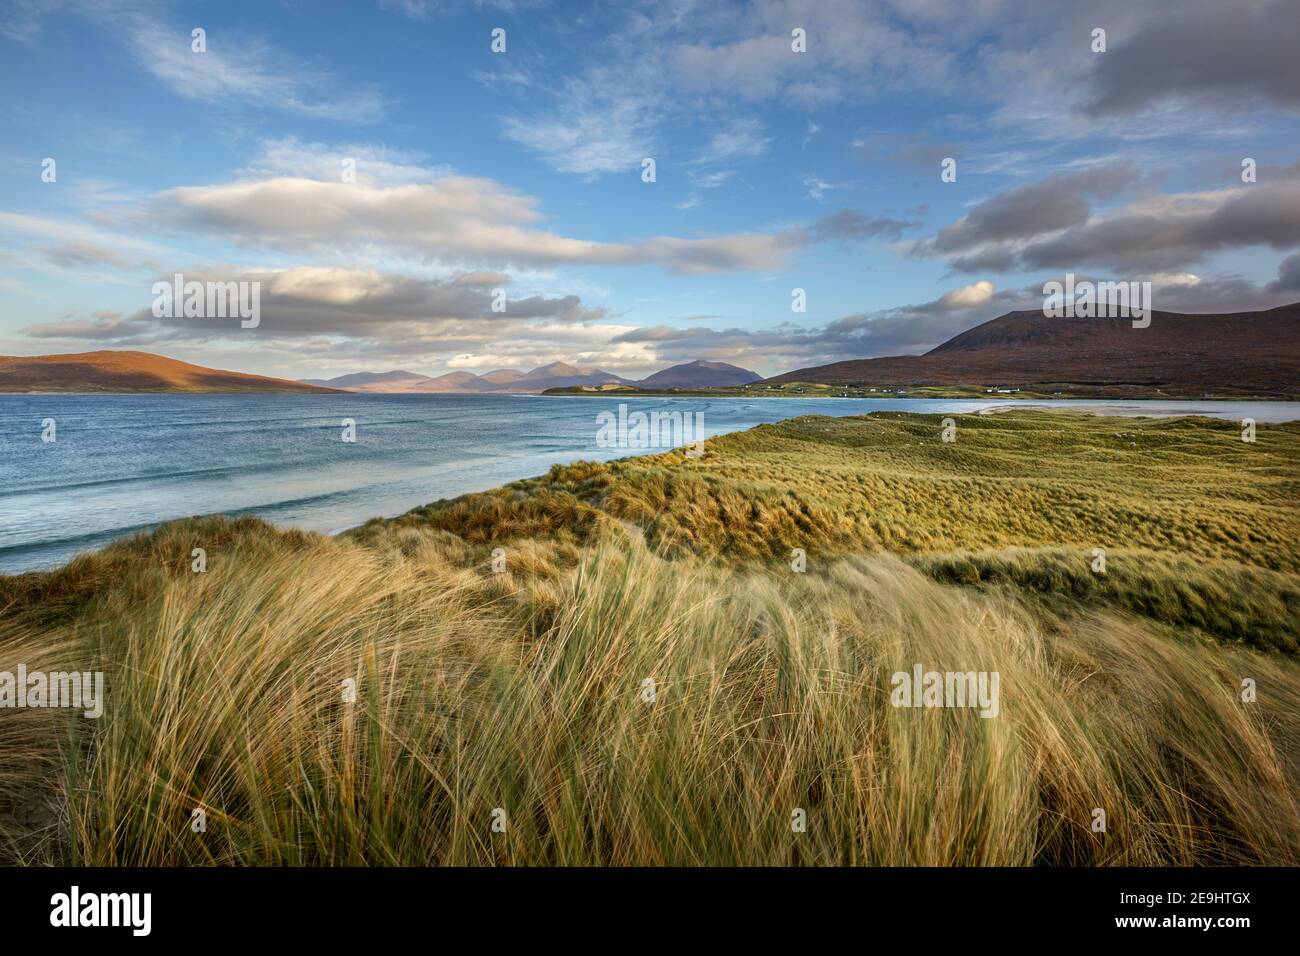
522, 170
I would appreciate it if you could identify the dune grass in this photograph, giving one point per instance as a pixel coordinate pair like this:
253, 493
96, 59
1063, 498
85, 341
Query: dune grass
887, 481
523, 696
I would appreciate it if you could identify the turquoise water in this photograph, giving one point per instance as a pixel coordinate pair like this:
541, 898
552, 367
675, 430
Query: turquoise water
121, 463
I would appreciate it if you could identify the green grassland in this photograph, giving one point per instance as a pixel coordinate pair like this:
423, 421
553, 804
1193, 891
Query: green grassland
823, 390
524, 691
820, 390
888, 481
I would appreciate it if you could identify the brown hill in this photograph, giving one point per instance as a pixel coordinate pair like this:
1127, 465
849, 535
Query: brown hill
700, 374
113, 371
419, 384
502, 381
502, 375
1241, 353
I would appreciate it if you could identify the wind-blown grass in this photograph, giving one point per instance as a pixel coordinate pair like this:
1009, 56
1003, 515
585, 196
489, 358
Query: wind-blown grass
526, 691
887, 481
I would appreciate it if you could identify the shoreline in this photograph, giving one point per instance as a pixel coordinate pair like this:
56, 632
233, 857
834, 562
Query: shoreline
341, 523
695, 393
1094, 409
1027, 402
742, 587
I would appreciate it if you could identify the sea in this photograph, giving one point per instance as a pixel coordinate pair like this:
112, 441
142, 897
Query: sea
119, 464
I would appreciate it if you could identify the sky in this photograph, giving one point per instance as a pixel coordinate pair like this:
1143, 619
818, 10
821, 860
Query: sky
382, 171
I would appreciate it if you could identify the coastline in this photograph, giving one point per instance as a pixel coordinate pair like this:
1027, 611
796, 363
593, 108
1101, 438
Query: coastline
1084, 408
768, 590
351, 500
937, 396
816, 391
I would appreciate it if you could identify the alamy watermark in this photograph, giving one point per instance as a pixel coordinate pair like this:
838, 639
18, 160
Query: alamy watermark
75, 908
82, 690
651, 430
1098, 300
922, 688
208, 300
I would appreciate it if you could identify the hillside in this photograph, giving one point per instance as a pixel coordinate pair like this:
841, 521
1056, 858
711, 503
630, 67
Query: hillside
395, 380
700, 374
502, 375
557, 375
114, 371
1244, 353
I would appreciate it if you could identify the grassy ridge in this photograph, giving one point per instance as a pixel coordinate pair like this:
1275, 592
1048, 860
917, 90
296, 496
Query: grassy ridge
526, 690
888, 481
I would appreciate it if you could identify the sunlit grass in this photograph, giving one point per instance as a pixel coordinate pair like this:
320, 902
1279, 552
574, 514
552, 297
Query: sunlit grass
526, 691
888, 481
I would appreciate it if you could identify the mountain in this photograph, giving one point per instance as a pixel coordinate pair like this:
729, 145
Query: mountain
697, 374
114, 371
502, 375
420, 384
558, 370
394, 381
451, 382
700, 374
559, 375
505, 380
1178, 354
402, 382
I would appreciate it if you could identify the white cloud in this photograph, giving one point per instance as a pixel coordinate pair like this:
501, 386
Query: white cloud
601, 124
76, 247
738, 138
817, 187
709, 180
813, 130
239, 70
968, 296
366, 306
454, 220
377, 165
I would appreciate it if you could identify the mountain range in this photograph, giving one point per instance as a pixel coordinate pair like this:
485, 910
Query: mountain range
697, 374
1178, 354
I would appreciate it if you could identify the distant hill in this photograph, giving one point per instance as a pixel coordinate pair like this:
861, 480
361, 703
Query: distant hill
501, 380
559, 370
1241, 353
360, 381
114, 371
1179, 354
700, 374
697, 374
502, 375
559, 375
409, 382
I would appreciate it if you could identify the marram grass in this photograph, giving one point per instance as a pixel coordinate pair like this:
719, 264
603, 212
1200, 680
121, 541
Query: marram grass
525, 693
